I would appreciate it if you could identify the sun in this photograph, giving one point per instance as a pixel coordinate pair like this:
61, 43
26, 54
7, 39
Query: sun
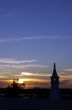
20, 81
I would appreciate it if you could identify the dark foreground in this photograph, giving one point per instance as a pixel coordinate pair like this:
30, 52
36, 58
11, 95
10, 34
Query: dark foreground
34, 104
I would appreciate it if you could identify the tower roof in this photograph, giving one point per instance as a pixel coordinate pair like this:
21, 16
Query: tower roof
54, 70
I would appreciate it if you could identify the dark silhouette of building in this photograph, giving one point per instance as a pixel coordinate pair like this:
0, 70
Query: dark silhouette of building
54, 95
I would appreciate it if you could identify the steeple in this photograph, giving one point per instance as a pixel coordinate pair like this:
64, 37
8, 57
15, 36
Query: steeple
54, 85
54, 70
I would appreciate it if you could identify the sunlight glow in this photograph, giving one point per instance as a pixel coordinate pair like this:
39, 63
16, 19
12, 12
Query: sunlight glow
21, 81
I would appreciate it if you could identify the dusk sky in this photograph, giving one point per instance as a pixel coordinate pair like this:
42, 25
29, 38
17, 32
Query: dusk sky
33, 35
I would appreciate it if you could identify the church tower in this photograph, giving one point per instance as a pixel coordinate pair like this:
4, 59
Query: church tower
54, 85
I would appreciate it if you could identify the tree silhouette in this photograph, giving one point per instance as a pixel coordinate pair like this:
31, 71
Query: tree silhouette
15, 88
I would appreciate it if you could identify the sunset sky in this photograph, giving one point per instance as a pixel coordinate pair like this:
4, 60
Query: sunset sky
33, 35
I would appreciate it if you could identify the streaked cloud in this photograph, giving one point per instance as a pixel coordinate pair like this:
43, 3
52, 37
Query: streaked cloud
22, 66
66, 83
34, 74
39, 79
32, 38
26, 73
9, 71
12, 68
15, 61
40, 66
68, 70
23, 38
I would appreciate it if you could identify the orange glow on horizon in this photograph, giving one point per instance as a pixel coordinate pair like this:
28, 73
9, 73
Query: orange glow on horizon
29, 82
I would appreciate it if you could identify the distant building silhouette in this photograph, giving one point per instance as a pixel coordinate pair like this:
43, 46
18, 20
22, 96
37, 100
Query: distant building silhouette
54, 85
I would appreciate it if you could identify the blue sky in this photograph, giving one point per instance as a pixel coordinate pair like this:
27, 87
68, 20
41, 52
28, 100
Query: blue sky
37, 30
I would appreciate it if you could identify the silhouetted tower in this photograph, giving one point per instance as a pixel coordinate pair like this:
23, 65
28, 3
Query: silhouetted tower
54, 85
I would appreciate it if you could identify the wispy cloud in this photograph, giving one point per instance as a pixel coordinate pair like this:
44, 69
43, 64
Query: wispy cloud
40, 66
34, 74
37, 78
32, 38
66, 83
22, 66
24, 75
15, 61
68, 70
23, 38
9, 67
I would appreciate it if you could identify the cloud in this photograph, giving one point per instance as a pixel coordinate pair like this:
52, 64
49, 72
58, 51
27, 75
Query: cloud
23, 38
68, 70
32, 38
22, 66
66, 83
12, 67
26, 73
34, 74
36, 78
40, 66
38, 84
18, 64
15, 61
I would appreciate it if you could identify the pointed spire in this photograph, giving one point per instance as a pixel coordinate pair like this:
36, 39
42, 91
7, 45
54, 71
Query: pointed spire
54, 66
54, 70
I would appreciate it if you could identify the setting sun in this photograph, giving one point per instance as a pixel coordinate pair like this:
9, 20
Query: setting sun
21, 81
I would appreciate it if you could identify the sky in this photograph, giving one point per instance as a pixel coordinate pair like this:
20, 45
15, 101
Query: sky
33, 35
